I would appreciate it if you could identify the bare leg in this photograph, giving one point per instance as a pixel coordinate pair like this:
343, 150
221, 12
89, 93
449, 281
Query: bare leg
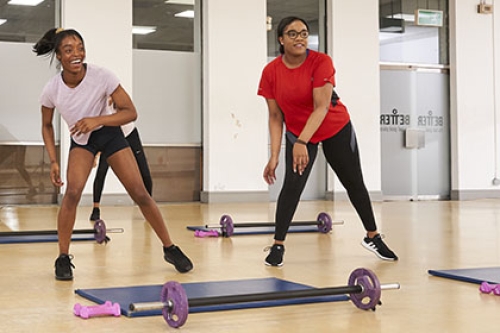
79, 167
125, 167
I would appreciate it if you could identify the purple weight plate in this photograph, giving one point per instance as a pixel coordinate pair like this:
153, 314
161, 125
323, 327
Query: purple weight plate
100, 231
369, 298
227, 225
176, 313
324, 223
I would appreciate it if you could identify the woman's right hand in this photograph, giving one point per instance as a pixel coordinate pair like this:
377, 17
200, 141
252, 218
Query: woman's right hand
270, 171
55, 175
300, 158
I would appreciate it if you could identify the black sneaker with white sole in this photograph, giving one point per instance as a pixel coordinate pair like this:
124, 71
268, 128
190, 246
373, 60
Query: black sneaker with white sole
377, 246
64, 267
275, 256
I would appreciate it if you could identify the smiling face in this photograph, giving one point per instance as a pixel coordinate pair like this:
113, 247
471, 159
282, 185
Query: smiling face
71, 54
294, 38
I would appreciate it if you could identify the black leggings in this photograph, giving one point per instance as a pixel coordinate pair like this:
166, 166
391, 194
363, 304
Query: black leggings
341, 153
138, 151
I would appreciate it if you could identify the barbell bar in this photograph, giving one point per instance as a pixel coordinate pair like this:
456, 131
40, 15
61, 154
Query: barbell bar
99, 231
323, 222
363, 288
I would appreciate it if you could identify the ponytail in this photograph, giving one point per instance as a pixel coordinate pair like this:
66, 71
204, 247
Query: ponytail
47, 43
50, 42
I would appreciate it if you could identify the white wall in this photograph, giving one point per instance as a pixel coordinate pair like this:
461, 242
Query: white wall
475, 120
234, 117
354, 47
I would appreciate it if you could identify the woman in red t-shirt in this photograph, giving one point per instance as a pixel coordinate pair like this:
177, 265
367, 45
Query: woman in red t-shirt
299, 89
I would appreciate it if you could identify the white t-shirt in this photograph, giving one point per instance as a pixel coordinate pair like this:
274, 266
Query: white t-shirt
88, 99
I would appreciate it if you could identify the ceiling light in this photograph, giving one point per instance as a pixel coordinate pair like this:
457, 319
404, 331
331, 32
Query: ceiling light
2, 21
180, 2
142, 30
24, 2
185, 14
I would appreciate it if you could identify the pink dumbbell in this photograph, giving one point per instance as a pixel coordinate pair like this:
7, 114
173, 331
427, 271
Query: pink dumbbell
487, 288
210, 233
97, 310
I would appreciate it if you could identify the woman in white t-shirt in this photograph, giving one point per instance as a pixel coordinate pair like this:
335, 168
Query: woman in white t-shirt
80, 94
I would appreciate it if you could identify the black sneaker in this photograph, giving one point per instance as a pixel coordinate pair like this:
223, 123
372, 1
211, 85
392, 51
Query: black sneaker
275, 257
96, 214
63, 267
377, 246
176, 257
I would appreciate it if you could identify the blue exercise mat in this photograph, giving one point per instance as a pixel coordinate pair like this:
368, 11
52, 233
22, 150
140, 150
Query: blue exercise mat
259, 230
141, 294
42, 238
472, 275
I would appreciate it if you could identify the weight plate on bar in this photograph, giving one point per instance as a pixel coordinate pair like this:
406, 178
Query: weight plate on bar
227, 225
324, 222
100, 231
176, 312
369, 297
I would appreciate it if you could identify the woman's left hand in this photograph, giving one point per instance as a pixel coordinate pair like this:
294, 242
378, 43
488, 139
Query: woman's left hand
300, 158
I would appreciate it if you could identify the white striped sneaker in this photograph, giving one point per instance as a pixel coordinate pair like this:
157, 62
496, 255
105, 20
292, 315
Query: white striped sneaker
275, 257
377, 246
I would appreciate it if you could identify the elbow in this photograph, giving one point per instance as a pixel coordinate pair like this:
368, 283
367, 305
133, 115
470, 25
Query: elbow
131, 113
276, 117
134, 115
47, 127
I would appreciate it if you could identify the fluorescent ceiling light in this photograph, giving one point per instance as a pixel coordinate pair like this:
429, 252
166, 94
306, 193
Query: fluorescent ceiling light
185, 14
142, 30
2, 21
180, 2
25, 2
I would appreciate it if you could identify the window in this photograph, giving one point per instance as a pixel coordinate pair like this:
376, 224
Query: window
164, 24
26, 24
403, 41
312, 11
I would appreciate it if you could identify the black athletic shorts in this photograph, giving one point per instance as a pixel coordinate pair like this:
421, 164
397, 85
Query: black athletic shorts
107, 140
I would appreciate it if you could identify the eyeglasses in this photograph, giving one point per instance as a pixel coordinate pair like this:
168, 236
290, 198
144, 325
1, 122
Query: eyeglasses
294, 34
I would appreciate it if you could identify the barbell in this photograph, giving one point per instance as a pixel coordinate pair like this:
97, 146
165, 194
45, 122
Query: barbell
323, 222
99, 232
363, 288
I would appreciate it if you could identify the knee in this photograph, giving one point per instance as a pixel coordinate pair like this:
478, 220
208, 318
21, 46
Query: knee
142, 198
73, 195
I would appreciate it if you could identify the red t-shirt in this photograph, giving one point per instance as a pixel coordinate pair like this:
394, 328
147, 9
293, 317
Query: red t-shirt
293, 91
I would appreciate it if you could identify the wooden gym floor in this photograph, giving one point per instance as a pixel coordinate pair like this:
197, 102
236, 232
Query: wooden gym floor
426, 235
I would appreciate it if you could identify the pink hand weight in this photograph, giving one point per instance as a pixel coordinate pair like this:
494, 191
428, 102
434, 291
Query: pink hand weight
202, 234
97, 310
487, 288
